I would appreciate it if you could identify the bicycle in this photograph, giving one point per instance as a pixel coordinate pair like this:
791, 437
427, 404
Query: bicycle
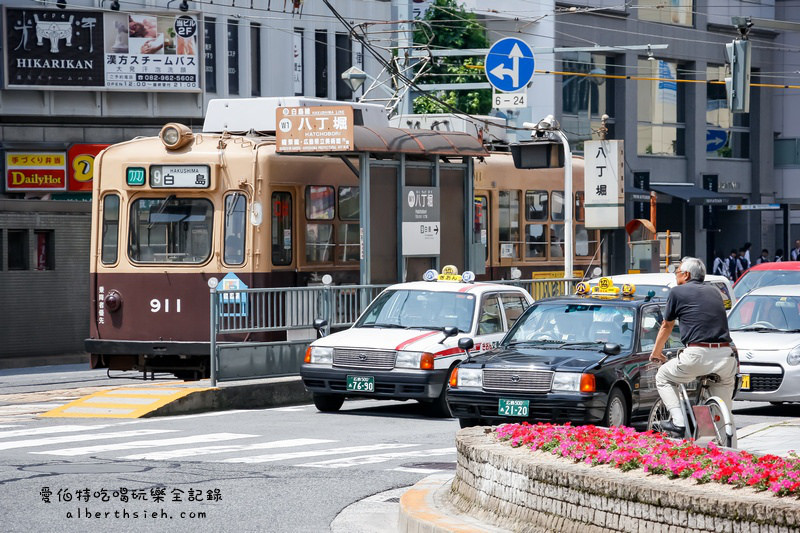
708, 419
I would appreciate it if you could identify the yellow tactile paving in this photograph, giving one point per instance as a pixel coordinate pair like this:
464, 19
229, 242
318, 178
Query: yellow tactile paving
125, 402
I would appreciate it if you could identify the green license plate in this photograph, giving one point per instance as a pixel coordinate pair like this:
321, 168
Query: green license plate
361, 383
513, 407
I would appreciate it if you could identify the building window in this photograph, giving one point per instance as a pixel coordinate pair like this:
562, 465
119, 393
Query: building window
344, 60
18, 249
661, 120
233, 57
235, 222
787, 153
321, 63
579, 93
45, 249
678, 12
210, 34
255, 59
281, 228
727, 134
110, 235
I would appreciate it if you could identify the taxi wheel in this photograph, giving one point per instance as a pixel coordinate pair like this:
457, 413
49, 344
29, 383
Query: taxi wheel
328, 403
439, 407
616, 410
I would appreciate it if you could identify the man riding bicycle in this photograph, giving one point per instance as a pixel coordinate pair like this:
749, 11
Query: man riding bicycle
704, 332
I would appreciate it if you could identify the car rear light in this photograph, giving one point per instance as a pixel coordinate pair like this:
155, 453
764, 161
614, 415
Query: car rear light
307, 358
426, 361
454, 378
587, 383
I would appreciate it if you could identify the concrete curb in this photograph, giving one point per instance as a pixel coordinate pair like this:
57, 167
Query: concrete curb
250, 394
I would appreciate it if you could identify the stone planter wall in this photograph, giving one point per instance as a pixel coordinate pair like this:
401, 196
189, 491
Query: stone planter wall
522, 490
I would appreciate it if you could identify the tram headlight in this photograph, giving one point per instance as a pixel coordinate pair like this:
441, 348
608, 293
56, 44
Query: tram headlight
113, 301
175, 135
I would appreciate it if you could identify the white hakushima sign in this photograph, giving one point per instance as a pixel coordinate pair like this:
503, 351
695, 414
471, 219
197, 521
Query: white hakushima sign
604, 179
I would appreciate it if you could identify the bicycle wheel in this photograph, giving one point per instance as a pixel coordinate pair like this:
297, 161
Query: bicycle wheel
723, 421
658, 413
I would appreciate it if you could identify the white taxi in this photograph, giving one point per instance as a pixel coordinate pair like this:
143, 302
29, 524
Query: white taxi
405, 343
661, 282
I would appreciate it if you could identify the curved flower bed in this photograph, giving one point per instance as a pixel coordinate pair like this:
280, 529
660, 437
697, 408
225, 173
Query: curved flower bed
627, 449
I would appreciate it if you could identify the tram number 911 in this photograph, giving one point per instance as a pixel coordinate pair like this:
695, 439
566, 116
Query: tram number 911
157, 306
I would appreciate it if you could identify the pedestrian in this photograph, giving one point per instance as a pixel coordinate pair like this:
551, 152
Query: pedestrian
778, 255
746, 249
796, 251
744, 264
704, 332
720, 268
733, 264
764, 257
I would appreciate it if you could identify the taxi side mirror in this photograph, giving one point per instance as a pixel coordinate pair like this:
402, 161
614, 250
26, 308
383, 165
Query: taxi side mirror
611, 348
466, 343
319, 325
449, 331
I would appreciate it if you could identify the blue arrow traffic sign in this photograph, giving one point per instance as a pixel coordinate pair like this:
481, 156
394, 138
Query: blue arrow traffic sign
509, 64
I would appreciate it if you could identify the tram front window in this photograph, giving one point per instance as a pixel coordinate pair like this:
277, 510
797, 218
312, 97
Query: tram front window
170, 230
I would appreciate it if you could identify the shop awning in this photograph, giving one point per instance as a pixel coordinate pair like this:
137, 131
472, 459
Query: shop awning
692, 194
636, 194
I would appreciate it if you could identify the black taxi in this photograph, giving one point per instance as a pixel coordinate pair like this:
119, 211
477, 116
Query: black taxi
582, 358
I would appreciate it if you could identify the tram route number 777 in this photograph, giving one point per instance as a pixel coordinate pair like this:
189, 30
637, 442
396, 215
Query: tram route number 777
156, 305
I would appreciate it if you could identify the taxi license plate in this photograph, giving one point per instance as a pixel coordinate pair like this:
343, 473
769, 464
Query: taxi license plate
745, 382
513, 407
361, 383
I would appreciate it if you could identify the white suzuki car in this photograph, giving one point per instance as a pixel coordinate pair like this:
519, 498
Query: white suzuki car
765, 327
405, 343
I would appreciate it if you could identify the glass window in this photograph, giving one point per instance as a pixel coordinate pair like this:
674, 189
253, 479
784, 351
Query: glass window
45, 249
580, 206
585, 244
661, 114
18, 251
536, 241
319, 202
170, 230
727, 134
581, 92
557, 241
235, 221
110, 231
557, 205
514, 305
678, 12
420, 309
255, 59
509, 223
787, 152
348, 242
535, 205
319, 243
648, 328
490, 320
348, 203
281, 229
762, 313
481, 223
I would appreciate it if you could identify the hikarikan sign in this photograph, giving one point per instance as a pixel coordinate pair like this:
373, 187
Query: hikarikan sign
604, 179
314, 129
75, 49
421, 221
36, 171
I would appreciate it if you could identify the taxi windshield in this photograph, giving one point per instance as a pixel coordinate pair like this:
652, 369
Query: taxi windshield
419, 309
766, 313
574, 324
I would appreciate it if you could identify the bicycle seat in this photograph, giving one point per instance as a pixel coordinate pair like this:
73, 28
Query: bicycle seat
713, 378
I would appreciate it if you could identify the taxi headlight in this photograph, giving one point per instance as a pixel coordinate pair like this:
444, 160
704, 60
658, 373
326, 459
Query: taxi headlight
567, 381
470, 377
793, 359
321, 355
419, 360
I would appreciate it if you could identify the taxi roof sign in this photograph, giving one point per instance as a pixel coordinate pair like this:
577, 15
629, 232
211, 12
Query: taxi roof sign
449, 273
605, 288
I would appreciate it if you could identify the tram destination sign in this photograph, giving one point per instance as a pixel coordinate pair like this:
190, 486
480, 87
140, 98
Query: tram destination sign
180, 176
314, 129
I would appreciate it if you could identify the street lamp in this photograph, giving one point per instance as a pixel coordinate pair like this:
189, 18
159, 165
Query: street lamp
549, 128
354, 77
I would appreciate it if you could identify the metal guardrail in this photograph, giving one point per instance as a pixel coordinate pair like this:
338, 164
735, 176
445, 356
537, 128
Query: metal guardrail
296, 308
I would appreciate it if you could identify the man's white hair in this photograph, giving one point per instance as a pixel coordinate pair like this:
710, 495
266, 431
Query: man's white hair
695, 268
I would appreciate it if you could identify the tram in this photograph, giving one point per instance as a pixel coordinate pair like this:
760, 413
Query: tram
173, 211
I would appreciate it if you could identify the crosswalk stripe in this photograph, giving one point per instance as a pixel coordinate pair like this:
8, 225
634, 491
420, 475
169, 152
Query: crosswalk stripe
29, 443
208, 450
416, 470
3, 426
377, 458
46, 430
211, 437
314, 453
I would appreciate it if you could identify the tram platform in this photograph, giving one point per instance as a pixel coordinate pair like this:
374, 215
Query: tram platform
184, 397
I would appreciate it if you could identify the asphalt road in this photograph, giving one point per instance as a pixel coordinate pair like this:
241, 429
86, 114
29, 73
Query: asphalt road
289, 469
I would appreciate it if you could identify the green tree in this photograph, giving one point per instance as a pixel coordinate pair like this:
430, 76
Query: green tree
454, 28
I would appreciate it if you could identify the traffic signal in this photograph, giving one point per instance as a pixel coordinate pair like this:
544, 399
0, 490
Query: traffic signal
737, 85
